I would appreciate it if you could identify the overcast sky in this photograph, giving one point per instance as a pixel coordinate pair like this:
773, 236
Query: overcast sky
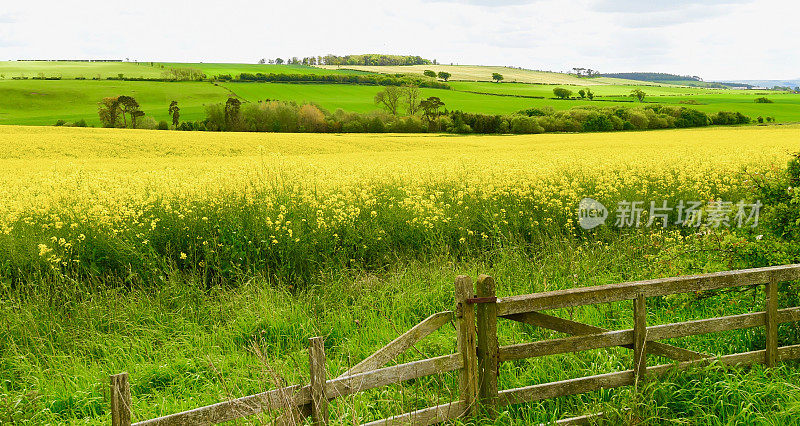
715, 39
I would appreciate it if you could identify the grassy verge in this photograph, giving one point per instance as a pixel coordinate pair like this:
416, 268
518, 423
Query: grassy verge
187, 346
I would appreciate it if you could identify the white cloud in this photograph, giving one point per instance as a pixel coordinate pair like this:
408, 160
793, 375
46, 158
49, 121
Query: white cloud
722, 39
638, 6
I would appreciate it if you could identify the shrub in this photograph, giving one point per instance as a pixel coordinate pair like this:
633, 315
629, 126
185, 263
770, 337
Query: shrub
80, 123
562, 93
638, 120
597, 123
311, 119
763, 100
691, 118
163, 125
147, 123
537, 112
729, 118
60, 123
525, 125
780, 213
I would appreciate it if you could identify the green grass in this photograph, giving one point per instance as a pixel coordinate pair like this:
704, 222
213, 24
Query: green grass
71, 70
36, 102
185, 347
546, 90
190, 338
68, 70
484, 73
361, 98
43, 102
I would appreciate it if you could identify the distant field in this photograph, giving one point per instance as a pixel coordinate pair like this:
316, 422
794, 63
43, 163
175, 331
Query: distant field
480, 73
36, 102
71, 70
235, 69
546, 90
360, 98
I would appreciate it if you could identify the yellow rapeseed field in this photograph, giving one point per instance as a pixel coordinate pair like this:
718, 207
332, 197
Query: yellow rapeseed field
368, 192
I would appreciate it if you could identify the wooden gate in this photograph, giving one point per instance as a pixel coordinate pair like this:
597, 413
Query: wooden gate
476, 316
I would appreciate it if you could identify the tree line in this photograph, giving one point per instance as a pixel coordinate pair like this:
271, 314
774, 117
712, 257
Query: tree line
405, 111
368, 79
371, 59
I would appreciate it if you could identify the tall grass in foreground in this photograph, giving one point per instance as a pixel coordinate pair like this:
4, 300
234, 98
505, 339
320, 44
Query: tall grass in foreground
187, 345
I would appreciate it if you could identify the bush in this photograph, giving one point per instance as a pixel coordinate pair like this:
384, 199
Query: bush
691, 118
562, 93
729, 118
311, 119
147, 123
163, 125
763, 100
537, 112
598, 123
525, 125
638, 120
60, 123
780, 199
80, 123
289, 117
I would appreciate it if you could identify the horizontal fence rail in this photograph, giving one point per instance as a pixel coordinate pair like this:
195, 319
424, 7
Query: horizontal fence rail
649, 288
478, 354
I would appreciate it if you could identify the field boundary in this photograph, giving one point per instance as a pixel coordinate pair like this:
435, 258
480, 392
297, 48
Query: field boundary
478, 355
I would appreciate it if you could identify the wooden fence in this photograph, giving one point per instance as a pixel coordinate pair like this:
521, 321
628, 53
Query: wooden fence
476, 315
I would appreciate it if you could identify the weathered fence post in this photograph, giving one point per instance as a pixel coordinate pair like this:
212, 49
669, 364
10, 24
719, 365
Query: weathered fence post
316, 365
120, 400
639, 337
771, 323
487, 342
465, 312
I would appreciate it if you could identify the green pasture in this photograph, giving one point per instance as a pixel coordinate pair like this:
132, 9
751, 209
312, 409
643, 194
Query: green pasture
361, 98
71, 70
546, 90
36, 102
43, 102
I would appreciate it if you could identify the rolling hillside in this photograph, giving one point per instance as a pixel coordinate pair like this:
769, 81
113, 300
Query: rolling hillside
480, 73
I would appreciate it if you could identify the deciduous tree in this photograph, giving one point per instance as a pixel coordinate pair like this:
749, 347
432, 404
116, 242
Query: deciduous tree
444, 75
430, 109
128, 106
411, 95
232, 113
562, 93
389, 98
638, 94
175, 112
109, 111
